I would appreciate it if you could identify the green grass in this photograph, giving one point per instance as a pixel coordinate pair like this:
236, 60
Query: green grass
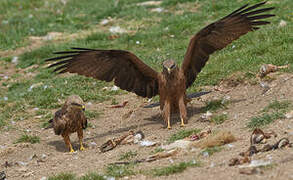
182, 134
212, 150
119, 171
219, 119
128, 155
214, 105
71, 176
173, 169
158, 149
28, 138
264, 119
273, 111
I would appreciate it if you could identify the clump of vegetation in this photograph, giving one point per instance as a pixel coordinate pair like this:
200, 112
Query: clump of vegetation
63, 176
182, 134
275, 110
119, 171
128, 155
175, 168
219, 119
28, 138
214, 105
212, 150
158, 149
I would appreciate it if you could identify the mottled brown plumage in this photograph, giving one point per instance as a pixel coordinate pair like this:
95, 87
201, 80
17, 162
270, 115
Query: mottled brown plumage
69, 119
131, 74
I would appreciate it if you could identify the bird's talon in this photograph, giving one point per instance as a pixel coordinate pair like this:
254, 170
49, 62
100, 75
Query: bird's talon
82, 148
71, 151
182, 125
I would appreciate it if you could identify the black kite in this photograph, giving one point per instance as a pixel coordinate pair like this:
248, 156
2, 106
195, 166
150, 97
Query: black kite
132, 74
69, 119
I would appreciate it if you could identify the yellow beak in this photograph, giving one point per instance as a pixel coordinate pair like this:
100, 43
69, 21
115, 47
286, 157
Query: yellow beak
169, 70
83, 107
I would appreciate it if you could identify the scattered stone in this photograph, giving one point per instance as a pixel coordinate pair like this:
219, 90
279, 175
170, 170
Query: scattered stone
43, 178
147, 143
256, 163
289, 115
92, 144
15, 60
104, 22
117, 30
158, 10
28, 174
282, 23
115, 88
149, 3
20, 163
181, 144
207, 116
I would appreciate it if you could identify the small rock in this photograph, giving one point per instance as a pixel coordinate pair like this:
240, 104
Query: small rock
20, 163
282, 23
256, 163
158, 10
43, 156
28, 174
32, 157
205, 154
206, 116
289, 115
115, 88
104, 22
149, 3
43, 178
117, 30
15, 60
5, 98
92, 144
147, 143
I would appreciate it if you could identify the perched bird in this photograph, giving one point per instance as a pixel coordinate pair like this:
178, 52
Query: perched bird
69, 119
132, 74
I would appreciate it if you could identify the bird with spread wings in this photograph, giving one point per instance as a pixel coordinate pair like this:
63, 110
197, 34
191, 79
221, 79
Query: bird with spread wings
132, 74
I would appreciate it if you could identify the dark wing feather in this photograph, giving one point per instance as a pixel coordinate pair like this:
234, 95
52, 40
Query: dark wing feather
218, 35
127, 70
59, 124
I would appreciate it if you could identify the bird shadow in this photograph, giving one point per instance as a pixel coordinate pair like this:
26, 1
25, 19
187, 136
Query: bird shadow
120, 130
61, 147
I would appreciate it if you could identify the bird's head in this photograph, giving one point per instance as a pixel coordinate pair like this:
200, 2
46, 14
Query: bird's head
169, 66
75, 102
78, 106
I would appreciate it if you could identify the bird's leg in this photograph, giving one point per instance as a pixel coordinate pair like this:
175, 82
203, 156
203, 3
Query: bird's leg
166, 114
68, 144
182, 109
80, 137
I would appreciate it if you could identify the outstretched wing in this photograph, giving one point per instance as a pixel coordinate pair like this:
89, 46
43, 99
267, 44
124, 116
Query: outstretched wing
127, 70
218, 35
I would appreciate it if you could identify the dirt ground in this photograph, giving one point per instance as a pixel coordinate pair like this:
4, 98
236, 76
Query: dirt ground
49, 157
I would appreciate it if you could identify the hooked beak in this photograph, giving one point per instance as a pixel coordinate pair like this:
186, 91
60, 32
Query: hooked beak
83, 107
169, 70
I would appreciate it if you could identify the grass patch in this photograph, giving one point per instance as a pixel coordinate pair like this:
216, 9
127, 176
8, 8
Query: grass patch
28, 138
264, 119
211, 150
277, 106
214, 105
273, 111
92, 176
158, 149
182, 134
119, 171
63, 176
173, 169
219, 119
128, 155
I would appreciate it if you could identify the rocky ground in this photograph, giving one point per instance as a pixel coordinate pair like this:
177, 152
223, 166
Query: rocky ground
50, 157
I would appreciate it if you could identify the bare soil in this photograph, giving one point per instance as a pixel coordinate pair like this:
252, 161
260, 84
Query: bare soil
50, 156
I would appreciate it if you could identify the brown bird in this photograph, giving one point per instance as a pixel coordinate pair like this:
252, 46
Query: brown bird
69, 119
131, 74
